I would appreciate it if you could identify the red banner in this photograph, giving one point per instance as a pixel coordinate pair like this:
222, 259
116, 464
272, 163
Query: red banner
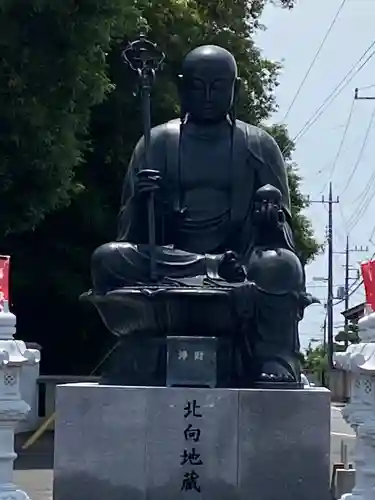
368, 274
4, 277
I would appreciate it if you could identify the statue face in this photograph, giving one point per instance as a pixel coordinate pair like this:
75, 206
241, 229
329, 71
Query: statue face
208, 83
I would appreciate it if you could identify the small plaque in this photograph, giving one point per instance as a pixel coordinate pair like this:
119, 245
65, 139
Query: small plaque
191, 361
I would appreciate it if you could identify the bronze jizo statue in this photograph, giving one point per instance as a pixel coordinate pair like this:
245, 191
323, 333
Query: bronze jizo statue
214, 254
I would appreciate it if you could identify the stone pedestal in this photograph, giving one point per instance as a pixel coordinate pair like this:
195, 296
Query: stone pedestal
168, 443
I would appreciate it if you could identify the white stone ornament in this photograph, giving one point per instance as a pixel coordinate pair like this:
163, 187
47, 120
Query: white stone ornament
359, 361
13, 355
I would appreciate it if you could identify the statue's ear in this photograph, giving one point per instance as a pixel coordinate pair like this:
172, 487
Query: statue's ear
179, 82
237, 88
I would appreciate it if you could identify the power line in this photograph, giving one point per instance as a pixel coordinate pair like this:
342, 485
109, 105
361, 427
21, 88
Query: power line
367, 188
362, 150
367, 87
351, 292
364, 199
343, 219
372, 235
354, 287
330, 27
329, 100
341, 145
336, 92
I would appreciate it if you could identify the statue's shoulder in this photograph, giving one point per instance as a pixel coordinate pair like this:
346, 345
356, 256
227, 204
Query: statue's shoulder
165, 130
259, 141
159, 136
254, 133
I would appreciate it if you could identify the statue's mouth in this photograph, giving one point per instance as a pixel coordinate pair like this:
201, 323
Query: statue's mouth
208, 108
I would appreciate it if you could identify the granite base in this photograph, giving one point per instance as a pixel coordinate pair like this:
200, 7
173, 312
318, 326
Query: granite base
138, 443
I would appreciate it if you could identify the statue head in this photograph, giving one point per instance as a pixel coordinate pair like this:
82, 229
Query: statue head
208, 84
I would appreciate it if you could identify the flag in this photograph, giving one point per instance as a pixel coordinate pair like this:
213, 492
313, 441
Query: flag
4, 278
368, 274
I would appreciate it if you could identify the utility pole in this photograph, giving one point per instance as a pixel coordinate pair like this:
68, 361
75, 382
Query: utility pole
330, 203
330, 279
347, 253
347, 259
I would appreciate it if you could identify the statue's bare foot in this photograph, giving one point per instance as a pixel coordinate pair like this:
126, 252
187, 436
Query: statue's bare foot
230, 268
273, 371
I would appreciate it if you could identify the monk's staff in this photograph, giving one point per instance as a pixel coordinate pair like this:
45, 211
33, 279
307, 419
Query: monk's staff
144, 57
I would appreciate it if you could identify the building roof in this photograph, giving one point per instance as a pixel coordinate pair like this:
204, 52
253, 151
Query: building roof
355, 312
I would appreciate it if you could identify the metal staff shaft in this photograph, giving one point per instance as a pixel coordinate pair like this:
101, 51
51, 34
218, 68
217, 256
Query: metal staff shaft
144, 58
146, 115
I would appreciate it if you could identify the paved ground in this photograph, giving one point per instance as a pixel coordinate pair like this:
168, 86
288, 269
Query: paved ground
340, 433
34, 467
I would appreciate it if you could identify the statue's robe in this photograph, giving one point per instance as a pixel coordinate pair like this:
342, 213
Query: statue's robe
210, 173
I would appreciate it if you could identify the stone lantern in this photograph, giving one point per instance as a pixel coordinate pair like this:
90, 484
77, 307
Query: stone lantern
13, 355
359, 361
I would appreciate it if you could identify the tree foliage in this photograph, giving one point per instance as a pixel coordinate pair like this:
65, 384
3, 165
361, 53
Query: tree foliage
52, 71
69, 121
306, 243
348, 336
316, 359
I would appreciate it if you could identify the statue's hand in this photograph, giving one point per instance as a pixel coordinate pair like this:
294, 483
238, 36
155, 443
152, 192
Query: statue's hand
147, 181
267, 214
268, 207
230, 268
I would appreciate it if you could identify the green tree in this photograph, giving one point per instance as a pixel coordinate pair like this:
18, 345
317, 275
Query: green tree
306, 242
52, 71
316, 360
80, 171
346, 337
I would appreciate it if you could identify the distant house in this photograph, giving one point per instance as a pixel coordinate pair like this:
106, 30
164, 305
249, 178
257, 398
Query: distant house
355, 313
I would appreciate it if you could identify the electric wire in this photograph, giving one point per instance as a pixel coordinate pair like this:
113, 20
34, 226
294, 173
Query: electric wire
343, 219
367, 87
329, 100
364, 200
360, 214
320, 48
362, 203
336, 92
368, 186
372, 235
339, 150
350, 293
354, 286
362, 150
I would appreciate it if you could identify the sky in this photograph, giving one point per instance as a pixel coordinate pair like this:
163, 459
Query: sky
293, 38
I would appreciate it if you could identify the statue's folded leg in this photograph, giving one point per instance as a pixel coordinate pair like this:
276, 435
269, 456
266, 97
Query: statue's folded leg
120, 264
139, 360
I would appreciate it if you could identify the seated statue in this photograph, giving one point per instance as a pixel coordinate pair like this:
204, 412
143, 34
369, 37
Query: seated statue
222, 222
